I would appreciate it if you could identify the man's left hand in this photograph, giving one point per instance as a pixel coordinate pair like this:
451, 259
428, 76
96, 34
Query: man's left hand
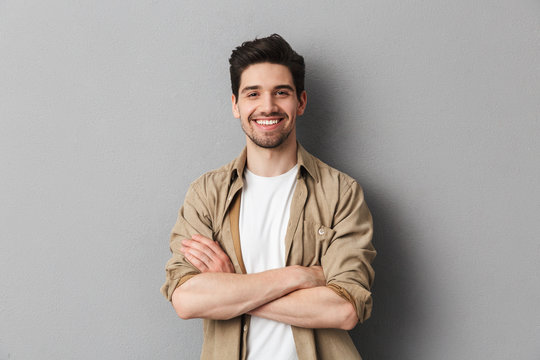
206, 255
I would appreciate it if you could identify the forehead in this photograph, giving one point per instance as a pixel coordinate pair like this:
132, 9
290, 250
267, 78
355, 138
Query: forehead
266, 75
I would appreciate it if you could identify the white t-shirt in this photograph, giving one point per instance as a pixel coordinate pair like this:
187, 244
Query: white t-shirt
264, 215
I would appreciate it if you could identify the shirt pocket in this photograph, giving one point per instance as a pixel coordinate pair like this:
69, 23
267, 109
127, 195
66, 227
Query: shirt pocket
316, 239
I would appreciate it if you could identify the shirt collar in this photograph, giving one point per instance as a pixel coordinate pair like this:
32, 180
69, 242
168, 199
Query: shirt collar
305, 161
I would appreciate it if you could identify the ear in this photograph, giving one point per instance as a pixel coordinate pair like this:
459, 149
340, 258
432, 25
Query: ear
302, 103
235, 110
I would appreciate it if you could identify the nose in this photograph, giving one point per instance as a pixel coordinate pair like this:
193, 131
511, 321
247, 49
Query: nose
268, 104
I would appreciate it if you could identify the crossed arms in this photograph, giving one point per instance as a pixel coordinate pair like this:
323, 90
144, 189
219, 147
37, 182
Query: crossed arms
295, 295
202, 283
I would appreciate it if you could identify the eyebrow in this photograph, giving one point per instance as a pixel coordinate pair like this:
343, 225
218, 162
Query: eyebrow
257, 87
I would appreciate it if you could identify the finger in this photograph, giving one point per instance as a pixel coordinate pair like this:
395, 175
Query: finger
202, 242
218, 260
201, 266
209, 264
214, 245
213, 263
194, 244
209, 247
203, 239
207, 260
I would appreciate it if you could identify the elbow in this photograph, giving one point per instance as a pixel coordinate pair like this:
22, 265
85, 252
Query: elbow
188, 306
183, 316
349, 319
182, 313
181, 307
350, 323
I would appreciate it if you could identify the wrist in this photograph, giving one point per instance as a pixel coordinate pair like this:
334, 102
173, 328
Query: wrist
299, 277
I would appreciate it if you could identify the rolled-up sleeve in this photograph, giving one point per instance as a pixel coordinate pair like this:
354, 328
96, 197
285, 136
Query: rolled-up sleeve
193, 218
347, 260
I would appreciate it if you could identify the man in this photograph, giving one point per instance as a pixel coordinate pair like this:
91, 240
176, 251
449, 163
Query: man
274, 249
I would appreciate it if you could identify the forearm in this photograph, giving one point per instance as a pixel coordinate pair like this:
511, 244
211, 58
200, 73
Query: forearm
222, 296
317, 307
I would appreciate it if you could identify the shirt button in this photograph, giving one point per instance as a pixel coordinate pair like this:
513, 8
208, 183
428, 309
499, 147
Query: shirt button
321, 231
245, 327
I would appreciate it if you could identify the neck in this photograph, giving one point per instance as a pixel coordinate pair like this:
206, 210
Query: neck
271, 162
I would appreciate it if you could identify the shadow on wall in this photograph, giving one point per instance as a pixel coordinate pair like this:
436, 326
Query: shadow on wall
397, 309
325, 131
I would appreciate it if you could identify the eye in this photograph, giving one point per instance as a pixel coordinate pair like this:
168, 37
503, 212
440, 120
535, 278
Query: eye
252, 94
282, 93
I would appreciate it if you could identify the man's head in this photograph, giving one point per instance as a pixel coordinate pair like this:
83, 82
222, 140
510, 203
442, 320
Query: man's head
272, 49
267, 97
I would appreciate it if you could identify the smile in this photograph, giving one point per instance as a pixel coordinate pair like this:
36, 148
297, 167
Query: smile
267, 122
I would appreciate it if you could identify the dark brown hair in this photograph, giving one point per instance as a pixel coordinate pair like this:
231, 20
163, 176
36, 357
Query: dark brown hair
272, 49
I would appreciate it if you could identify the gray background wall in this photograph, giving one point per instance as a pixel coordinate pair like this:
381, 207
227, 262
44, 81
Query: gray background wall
109, 109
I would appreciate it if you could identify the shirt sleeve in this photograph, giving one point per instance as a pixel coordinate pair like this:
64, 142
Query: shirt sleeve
193, 218
347, 260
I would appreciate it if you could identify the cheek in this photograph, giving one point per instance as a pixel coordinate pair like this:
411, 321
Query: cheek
291, 107
247, 111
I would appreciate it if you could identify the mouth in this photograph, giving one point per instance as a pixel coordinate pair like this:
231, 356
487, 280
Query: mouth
268, 122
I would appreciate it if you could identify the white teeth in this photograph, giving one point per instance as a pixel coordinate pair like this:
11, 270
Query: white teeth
267, 122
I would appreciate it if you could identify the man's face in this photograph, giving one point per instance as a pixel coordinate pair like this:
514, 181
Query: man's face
267, 105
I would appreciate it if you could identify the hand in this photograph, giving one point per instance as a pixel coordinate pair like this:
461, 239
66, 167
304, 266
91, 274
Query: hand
313, 276
206, 255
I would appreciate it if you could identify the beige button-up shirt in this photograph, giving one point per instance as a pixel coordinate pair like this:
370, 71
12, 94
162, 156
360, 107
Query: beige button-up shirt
330, 225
